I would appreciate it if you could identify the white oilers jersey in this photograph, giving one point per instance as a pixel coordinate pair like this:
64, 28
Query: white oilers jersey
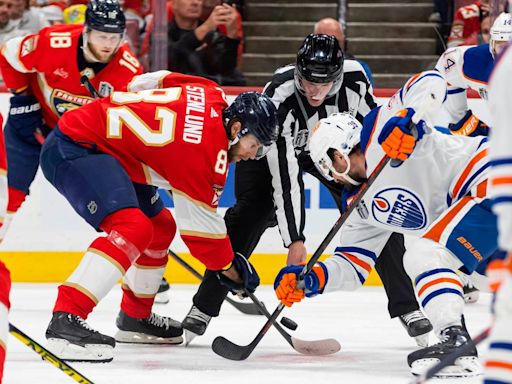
409, 198
500, 100
465, 67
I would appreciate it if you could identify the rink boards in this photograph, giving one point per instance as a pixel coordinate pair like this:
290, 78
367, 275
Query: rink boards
47, 238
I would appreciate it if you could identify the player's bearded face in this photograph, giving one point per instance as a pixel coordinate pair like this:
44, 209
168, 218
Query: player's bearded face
103, 45
245, 149
315, 92
357, 168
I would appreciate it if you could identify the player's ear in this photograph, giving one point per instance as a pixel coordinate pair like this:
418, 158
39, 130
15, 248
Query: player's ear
235, 128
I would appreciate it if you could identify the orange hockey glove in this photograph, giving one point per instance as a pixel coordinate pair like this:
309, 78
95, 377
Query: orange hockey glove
396, 139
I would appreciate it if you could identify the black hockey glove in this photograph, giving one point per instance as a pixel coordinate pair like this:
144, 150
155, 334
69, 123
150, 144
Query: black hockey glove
25, 115
249, 276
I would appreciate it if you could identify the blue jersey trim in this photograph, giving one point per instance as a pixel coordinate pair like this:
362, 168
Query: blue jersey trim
478, 63
361, 278
368, 123
455, 91
362, 251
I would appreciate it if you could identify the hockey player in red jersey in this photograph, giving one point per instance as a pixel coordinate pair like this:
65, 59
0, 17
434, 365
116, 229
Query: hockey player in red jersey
107, 158
43, 71
5, 279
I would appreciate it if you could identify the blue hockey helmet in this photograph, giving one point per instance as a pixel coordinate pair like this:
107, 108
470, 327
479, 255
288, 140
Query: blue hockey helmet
105, 16
257, 114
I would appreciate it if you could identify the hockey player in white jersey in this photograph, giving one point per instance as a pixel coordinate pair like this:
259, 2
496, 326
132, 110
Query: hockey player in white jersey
437, 196
499, 360
469, 67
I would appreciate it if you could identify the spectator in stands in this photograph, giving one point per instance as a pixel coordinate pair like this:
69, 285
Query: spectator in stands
443, 16
483, 36
74, 14
332, 27
5, 7
467, 21
26, 19
199, 47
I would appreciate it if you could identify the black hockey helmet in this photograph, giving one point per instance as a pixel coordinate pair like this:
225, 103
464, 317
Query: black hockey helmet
257, 114
105, 16
320, 60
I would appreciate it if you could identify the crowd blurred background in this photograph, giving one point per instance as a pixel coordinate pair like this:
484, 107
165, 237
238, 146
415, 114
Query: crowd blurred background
241, 42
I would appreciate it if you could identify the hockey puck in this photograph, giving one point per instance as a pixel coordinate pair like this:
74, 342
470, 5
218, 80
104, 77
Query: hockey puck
289, 323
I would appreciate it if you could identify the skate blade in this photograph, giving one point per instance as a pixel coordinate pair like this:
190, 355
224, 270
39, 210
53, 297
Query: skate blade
143, 338
162, 298
189, 336
422, 340
92, 353
466, 366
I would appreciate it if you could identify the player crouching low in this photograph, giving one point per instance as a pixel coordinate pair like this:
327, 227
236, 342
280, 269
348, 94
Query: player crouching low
437, 195
107, 158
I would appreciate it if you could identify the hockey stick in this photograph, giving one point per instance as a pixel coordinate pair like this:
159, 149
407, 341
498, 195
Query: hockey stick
247, 308
306, 347
48, 356
229, 350
450, 359
87, 84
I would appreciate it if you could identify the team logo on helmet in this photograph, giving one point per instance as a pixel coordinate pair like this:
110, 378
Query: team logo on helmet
400, 208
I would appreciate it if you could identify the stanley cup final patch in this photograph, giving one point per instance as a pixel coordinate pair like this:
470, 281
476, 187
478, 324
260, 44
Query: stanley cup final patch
400, 208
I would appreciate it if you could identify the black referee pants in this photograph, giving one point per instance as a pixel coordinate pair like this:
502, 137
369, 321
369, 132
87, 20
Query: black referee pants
254, 212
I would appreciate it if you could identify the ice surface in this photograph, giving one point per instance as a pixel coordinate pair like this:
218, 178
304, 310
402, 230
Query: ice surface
374, 348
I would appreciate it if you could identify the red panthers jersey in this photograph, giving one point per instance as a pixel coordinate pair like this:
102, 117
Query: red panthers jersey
47, 63
466, 23
168, 131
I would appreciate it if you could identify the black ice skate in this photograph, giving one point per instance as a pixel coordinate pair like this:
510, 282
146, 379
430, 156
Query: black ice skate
452, 338
417, 326
471, 293
154, 330
72, 339
195, 324
162, 296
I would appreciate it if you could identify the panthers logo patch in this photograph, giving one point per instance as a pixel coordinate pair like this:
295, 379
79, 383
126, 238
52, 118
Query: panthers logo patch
63, 101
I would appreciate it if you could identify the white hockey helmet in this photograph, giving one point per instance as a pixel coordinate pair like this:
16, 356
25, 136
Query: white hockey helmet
501, 30
339, 131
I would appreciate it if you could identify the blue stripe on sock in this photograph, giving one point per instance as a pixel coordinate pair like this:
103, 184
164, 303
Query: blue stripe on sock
501, 345
430, 273
438, 292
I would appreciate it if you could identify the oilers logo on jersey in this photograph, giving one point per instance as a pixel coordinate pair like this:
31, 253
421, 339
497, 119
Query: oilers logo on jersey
400, 208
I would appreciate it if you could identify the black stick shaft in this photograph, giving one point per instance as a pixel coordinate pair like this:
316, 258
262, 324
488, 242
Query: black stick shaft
246, 308
87, 84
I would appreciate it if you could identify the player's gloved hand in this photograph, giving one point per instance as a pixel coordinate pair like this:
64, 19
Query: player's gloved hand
239, 275
25, 115
285, 283
396, 137
469, 125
